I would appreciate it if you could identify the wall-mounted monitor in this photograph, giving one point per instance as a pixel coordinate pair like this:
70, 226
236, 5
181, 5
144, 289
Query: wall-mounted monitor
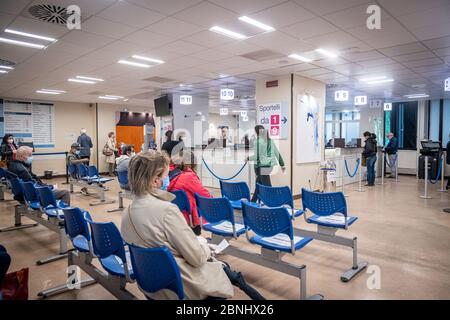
163, 107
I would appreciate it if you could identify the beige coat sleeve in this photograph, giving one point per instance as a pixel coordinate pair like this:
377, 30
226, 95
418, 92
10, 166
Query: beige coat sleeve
184, 241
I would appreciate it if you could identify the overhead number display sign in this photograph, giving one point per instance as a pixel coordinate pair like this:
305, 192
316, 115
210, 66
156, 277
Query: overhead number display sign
273, 116
341, 95
223, 111
375, 104
360, 100
226, 94
186, 100
447, 84
388, 106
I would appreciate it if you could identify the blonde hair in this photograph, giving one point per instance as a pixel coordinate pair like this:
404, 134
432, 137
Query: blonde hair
185, 158
144, 167
23, 152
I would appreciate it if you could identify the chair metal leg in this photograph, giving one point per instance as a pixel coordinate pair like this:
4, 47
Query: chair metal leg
120, 208
51, 259
64, 288
357, 266
303, 287
18, 221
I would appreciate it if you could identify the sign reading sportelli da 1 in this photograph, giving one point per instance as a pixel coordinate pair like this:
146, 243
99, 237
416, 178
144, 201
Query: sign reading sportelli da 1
273, 116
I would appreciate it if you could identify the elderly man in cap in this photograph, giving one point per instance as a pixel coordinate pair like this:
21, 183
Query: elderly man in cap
73, 157
21, 166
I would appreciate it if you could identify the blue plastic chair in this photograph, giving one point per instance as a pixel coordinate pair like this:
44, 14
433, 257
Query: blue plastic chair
30, 195
277, 197
77, 228
73, 171
108, 246
156, 269
16, 189
235, 192
122, 176
329, 209
220, 216
10, 175
49, 205
182, 202
273, 228
95, 175
2, 173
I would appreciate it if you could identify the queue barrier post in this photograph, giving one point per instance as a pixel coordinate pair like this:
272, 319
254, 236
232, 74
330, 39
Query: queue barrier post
442, 189
425, 195
342, 176
360, 188
382, 168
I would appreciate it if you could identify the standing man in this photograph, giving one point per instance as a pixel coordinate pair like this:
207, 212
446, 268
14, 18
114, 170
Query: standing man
391, 151
370, 154
448, 161
86, 144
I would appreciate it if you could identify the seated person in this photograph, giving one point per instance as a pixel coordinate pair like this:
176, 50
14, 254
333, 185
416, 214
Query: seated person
152, 220
5, 261
183, 177
123, 161
169, 145
73, 157
21, 166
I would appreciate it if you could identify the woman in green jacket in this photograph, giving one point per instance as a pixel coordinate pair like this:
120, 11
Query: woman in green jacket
266, 157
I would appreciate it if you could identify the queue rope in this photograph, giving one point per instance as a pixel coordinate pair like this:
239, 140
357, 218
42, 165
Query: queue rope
220, 178
356, 169
438, 174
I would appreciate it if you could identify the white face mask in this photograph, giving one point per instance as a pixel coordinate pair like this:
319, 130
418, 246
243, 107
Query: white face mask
10, 141
132, 154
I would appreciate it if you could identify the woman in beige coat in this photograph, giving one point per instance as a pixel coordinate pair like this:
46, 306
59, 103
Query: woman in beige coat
153, 221
111, 160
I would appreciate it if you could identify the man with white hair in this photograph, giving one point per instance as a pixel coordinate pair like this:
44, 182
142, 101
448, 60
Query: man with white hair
391, 151
21, 166
86, 144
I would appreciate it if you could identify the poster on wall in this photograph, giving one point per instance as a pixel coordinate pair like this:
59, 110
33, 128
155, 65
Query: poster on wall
308, 122
30, 121
274, 117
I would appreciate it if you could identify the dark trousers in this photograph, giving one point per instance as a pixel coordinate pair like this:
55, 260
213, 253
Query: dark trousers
63, 195
5, 261
370, 163
263, 179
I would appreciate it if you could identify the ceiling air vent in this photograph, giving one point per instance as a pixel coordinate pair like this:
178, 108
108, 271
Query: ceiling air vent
159, 79
49, 13
263, 55
143, 96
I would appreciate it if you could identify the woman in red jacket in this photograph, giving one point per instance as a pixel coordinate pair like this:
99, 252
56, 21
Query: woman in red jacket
183, 177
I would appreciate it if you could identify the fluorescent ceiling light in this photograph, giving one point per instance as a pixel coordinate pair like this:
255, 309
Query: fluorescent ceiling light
107, 98
111, 96
299, 57
418, 95
135, 64
373, 78
89, 78
147, 59
327, 53
6, 67
50, 91
80, 81
22, 43
30, 35
380, 81
3, 71
227, 33
258, 24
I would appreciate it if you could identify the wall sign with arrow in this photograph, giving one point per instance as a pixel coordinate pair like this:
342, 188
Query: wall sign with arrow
274, 117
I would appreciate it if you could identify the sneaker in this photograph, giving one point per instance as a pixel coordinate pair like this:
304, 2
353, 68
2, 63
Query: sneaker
84, 192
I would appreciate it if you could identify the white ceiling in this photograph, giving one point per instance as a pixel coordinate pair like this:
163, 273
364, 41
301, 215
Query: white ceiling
413, 47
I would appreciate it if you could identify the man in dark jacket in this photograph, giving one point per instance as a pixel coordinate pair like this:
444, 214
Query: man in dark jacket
391, 151
86, 144
370, 154
21, 166
448, 161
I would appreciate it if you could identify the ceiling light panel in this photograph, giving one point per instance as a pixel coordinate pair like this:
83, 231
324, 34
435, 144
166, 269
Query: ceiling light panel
257, 24
22, 43
29, 35
134, 64
147, 59
228, 33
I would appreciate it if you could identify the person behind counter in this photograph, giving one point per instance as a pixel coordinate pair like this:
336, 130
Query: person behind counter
266, 157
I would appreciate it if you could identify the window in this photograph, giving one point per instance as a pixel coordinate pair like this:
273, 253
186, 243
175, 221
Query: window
402, 121
342, 125
446, 122
439, 121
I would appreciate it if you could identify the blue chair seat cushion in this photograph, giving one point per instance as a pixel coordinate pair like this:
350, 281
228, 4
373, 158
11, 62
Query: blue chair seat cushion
113, 265
280, 242
54, 212
80, 243
335, 220
224, 228
236, 204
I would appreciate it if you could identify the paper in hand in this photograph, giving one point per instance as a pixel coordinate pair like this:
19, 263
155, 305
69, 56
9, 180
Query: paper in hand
221, 246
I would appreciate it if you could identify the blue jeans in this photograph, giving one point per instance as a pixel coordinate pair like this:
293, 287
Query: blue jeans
370, 163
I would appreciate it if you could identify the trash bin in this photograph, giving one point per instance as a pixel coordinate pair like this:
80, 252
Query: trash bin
48, 174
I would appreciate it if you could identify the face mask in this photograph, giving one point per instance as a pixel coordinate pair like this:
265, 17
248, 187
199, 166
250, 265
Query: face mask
77, 152
133, 154
29, 160
10, 141
165, 183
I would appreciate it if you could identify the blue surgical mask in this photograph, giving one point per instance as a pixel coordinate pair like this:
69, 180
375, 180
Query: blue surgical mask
165, 183
77, 152
29, 160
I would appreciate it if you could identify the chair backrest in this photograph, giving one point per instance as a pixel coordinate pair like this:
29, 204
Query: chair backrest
75, 223
267, 222
16, 188
106, 240
29, 191
46, 196
72, 170
214, 209
10, 175
82, 170
182, 201
324, 204
234, 190
156, 269
2, 173
122, 176
275, 196
92, 171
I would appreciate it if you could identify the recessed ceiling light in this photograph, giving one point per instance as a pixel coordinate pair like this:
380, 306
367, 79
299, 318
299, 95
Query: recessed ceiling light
22, 43
326, 53
135, 64
256, 23
30, 35
299, 57
89, 78
418, 95
80, 81
373, 78
50, 91
228, 33
380, 81
6, 67
147, 59
111, 96
3, 71
125, 99
107, 98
